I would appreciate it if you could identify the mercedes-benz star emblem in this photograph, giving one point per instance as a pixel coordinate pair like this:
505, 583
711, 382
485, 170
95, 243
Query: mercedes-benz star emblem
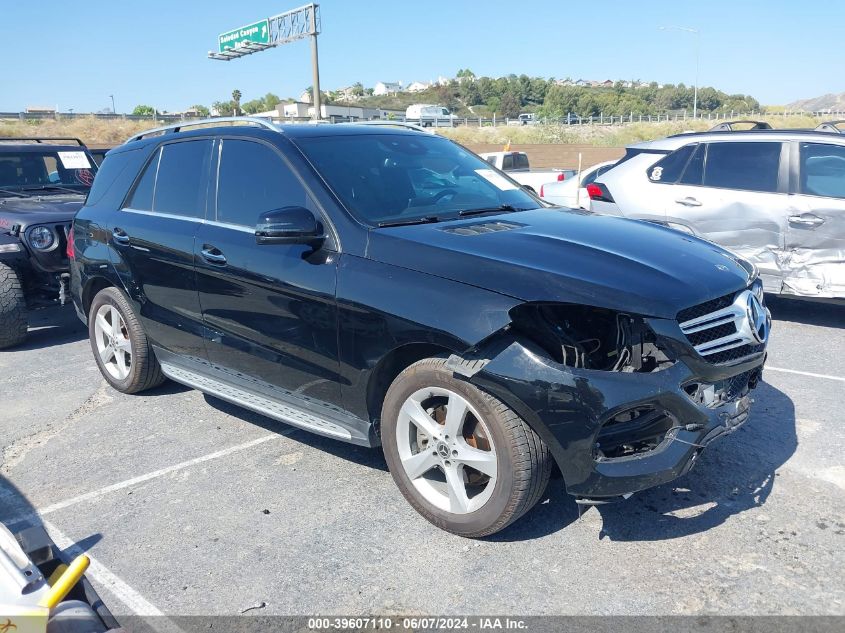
757, 318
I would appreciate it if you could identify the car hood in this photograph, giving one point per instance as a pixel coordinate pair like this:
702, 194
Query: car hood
38, 210
569, 256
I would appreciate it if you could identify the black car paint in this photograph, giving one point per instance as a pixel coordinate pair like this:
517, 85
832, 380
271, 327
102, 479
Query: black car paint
331, 323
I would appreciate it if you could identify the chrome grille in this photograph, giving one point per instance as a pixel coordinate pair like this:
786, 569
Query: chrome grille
719, 329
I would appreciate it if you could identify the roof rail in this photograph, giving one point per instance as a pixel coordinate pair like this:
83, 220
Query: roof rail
830, 126
410, 126
728, 126
178, 127
43, 139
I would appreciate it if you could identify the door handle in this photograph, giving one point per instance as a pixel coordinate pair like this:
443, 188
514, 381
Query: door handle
689, 202
120, 236
212, 255
806, 220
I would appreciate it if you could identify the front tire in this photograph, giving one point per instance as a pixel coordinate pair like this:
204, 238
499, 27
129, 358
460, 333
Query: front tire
120, 346
461, 457
13, 317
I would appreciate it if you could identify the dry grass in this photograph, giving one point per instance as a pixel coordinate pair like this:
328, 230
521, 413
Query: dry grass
92, 131
107, 132
599, 135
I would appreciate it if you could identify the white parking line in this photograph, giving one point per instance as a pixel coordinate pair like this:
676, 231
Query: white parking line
805, 373
95, 494
131, 599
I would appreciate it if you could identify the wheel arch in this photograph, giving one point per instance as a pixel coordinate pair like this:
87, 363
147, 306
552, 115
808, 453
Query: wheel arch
390, 366
93, 286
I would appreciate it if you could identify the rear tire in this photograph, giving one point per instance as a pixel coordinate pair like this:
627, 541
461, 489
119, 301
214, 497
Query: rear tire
13, 316
121, 349
472, 472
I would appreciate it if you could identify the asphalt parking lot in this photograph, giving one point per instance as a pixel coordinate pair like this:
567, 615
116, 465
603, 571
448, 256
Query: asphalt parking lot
188, 505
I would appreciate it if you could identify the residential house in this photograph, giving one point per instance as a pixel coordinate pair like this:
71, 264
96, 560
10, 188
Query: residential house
387, 88
418, 86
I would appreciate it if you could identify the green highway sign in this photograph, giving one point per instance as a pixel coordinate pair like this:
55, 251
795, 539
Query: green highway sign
258, 32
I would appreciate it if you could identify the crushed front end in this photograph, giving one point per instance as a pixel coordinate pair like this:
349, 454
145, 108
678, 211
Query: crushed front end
627, 402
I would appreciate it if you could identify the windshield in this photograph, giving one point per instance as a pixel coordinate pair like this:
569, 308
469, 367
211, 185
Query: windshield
388, 178
70, 170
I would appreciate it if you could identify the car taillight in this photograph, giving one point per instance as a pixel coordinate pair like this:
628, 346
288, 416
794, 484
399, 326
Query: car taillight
70, 251
597, 191
542, 190
561, 177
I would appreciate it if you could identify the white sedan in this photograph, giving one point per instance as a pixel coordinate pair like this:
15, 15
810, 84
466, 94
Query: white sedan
572, 192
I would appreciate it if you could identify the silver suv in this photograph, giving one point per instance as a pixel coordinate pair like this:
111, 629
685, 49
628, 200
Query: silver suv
775, 197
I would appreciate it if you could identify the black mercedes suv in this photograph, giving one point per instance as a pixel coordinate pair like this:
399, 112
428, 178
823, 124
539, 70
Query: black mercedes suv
385, 286
43, 183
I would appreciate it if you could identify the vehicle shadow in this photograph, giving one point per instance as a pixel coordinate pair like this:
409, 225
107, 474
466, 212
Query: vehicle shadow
734, 474
807, 312
18, 514
52, 326
370, 457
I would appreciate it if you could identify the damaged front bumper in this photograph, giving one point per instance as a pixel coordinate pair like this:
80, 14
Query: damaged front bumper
615, 433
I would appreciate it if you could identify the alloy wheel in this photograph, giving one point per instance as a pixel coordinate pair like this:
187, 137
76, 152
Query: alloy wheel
446, 450
112, 339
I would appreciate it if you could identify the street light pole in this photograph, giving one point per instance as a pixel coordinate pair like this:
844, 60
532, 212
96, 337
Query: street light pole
315, 67
113, 111
697, 33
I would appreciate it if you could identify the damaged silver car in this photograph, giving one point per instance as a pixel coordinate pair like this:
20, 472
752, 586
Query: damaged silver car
775, 197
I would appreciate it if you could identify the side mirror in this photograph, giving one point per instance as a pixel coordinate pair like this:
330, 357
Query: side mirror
289, 225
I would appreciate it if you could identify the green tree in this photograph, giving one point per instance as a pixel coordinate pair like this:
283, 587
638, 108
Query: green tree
357, 89
253, 106
143, 110
224, 108
510, 105
236, 100
201, 110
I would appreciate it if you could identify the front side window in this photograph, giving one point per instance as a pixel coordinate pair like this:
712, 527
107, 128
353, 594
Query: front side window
743, 166
521, 161
384, 178
822, 170
253, 180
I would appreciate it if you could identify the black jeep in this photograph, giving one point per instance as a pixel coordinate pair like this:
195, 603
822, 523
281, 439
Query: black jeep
43, 183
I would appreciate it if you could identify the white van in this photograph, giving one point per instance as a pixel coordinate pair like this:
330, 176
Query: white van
428, 115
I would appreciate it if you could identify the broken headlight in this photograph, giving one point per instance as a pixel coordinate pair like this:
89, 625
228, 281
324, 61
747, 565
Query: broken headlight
591, 338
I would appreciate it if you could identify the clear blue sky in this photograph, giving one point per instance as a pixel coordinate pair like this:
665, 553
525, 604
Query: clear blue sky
75, 54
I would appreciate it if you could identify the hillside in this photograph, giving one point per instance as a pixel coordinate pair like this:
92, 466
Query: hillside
472, 96
834, 102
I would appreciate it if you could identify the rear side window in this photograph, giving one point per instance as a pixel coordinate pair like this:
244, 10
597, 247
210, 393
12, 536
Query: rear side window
253, 180
669, 169
142, 197
743, 166
182, 178
823, 170
507, 162
694, 172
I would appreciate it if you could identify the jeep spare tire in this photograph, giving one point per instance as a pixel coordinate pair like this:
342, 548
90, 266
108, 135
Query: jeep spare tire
12, 308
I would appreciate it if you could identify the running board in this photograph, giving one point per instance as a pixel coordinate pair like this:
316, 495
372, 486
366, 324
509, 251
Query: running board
275, 409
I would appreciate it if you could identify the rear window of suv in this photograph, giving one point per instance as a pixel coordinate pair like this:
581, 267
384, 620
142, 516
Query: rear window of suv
744, 166
175, 180
730, 165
